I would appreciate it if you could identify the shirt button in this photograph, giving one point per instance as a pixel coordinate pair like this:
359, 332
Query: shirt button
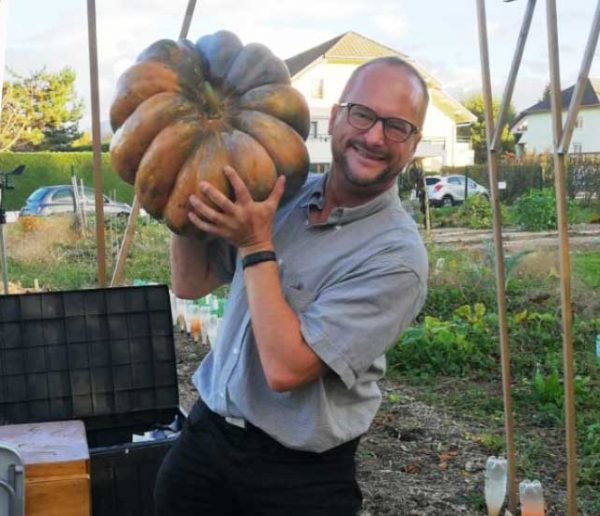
222, 394
236, 351
338, 227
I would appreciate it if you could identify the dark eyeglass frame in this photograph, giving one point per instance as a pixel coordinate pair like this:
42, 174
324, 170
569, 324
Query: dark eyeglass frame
385, 120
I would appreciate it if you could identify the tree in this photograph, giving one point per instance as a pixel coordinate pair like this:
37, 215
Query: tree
545, 93
41, 111
477, 132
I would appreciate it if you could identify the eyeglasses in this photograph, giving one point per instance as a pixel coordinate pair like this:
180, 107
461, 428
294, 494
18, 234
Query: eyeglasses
363, 118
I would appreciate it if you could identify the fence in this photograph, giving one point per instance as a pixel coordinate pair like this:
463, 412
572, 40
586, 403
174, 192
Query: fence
582, 174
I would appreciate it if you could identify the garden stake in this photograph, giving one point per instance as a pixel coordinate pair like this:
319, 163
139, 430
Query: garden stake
96, 145
561, 139
497, 221
117, 277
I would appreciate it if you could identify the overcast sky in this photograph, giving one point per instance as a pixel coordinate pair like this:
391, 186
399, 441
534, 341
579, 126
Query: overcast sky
440, 34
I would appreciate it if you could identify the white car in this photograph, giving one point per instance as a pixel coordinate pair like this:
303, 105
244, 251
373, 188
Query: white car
450, 190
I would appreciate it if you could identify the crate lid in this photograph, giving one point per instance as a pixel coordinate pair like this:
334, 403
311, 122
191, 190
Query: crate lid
87, 354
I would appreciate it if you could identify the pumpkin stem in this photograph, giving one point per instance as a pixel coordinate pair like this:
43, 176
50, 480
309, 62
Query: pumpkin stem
214, 106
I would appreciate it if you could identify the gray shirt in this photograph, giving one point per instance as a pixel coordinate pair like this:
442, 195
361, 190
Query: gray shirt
355, 282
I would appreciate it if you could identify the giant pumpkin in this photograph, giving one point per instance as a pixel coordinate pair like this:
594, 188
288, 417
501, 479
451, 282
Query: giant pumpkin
183, 111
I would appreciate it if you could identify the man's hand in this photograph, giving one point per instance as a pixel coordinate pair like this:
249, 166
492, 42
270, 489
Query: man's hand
245, 223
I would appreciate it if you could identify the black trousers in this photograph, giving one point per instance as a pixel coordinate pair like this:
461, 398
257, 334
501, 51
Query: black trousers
218, 469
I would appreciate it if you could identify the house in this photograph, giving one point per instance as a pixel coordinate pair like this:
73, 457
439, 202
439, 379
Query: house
321, 72
533, 126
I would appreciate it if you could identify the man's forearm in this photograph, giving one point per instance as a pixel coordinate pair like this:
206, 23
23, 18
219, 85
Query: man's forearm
191, 274
288, 362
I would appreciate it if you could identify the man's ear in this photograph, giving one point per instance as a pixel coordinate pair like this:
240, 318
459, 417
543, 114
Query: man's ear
332, 116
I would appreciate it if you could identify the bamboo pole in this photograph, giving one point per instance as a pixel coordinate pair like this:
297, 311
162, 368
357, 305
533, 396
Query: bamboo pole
96, 145
117, 276
584, 71
500, 270
512, 75
119, 270
565, 265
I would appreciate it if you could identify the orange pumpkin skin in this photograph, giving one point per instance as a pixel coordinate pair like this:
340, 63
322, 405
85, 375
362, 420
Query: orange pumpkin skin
182, 112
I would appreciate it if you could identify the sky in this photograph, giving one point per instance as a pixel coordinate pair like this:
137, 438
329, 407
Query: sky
441, 35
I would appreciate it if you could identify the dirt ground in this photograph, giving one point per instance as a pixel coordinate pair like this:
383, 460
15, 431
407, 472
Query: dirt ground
415, 460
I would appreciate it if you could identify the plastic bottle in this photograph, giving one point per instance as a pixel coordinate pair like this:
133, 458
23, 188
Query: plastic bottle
532, 498
495, 484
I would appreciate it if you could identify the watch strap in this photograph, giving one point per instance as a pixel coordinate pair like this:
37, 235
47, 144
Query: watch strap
258, 257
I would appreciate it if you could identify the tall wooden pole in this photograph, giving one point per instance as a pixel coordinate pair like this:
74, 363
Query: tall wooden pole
96, 143
492, 157
561, 140
119, 270
3, 260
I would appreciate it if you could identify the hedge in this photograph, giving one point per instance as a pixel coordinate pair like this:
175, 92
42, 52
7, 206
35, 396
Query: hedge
55, 168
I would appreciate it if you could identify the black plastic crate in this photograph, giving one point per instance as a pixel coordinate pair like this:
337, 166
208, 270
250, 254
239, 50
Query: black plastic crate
123, 476
105, 356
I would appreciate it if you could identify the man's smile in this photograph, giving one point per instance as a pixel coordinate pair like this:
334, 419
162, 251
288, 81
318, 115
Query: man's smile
366, 153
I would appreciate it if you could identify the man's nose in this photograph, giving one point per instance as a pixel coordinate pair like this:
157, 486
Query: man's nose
376, 134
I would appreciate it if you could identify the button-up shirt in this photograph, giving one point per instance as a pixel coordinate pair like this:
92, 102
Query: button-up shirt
355, 281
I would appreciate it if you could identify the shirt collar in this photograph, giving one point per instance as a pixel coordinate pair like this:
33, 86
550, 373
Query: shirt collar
344, 215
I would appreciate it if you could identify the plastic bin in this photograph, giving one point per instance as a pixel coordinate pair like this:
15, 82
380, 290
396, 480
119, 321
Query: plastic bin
123, 476
104, 356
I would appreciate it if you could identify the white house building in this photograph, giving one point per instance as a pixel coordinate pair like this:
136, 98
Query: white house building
321, 72
533, 126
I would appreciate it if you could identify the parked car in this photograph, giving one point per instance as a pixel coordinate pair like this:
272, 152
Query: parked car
51, 200
450, 190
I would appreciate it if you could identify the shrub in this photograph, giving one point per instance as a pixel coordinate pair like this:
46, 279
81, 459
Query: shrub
536, 210
463, 344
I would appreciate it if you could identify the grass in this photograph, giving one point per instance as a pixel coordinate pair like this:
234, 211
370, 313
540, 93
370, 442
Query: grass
52, 253
586, 265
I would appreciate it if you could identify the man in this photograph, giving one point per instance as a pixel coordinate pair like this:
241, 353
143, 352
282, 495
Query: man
321, 286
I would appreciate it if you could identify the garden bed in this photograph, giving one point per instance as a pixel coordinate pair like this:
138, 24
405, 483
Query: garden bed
419, 458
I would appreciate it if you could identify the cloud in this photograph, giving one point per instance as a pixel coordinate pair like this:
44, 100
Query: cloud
445, 44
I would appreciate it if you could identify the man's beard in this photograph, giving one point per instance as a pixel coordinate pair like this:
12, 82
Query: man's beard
341, 161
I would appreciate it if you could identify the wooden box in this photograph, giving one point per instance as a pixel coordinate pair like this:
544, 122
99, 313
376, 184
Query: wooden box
57, 461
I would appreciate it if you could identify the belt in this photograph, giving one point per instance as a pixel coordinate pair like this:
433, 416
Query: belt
201, 408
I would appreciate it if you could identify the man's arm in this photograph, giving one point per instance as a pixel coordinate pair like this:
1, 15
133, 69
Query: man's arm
288, 362
191, 273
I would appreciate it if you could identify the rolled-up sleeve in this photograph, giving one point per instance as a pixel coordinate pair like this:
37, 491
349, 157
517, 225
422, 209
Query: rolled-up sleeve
355, 320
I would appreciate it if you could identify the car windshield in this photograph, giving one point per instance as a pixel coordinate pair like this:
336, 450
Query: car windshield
37, 195
431, 180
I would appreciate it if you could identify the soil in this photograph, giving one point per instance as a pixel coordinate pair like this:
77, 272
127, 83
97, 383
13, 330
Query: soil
581, 237
417, 459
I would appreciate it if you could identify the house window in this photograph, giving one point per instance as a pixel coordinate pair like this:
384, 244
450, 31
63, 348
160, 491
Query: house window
314, 129
579, 122
317, 89
577, 148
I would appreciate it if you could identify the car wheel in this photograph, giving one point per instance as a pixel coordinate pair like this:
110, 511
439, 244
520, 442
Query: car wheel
447, 200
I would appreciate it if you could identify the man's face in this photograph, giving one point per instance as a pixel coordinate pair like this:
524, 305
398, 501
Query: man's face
367, 158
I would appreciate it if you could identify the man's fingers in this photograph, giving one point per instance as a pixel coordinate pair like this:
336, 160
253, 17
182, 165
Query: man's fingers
205, 226
217, 197
205, 211
242, 195
277, 192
